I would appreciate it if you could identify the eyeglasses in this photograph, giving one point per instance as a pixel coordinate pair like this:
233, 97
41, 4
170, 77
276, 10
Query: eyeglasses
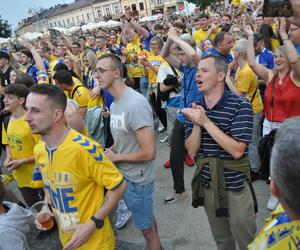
102, 71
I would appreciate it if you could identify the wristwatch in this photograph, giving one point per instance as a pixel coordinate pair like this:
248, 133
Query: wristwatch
98, 222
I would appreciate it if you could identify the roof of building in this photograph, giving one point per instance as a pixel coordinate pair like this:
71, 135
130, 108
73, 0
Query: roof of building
78, 4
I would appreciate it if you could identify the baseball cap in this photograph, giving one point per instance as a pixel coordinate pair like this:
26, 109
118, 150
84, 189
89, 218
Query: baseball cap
3, 54
257, 37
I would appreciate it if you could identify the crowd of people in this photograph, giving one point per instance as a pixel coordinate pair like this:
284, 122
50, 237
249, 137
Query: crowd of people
79, 115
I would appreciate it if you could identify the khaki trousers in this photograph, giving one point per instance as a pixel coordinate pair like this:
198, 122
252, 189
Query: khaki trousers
239, 227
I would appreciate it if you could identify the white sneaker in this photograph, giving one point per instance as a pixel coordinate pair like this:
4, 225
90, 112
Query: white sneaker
123, 215
272, 203
164, 139
175, 197
161, 128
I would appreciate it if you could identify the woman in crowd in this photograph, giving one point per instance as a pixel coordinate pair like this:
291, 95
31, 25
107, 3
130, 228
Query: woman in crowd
283, 85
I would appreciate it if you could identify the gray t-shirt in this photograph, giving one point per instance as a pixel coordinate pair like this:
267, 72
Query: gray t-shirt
129, 114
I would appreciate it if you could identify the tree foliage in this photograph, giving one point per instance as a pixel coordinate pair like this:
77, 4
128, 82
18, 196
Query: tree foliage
5, 28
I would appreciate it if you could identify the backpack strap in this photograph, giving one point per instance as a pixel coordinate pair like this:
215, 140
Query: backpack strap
74, 90
6, 122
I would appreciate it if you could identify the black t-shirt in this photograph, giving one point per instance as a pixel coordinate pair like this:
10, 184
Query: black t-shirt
5, 77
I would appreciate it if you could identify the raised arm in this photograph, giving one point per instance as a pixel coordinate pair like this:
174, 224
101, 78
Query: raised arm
165, 53
136, 26
37, 58
188, 49
291, 52
257, 68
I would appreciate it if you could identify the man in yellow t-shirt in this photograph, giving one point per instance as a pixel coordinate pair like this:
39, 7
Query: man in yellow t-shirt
75, 91
282, 230
247, 85
75, 172
20, 141
207, 30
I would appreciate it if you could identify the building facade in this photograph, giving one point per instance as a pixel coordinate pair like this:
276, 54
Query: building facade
82, 12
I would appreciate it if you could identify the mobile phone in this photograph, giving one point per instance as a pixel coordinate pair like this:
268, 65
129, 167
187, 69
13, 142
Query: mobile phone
277, 8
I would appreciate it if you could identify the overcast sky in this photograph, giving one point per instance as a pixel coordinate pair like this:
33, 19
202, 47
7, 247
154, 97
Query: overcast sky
15, 10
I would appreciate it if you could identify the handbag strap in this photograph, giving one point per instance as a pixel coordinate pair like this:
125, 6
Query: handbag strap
254, 94
273, 89
174, 70
272, 97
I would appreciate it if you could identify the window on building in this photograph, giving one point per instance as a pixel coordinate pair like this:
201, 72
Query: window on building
99, 13
159, 2
73, 21
64, 23
68, 21
141, 4
77, 18
87, 16
55, 24
117, 10
82, 18
133, 7
59, 23
107, 11
51, 25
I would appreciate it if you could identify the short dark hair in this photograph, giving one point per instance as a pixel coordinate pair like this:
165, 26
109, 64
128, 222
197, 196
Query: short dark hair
2, 193
60, 66
77, 44
63, 77
228, 15
27, 53
220, 37
25, 79
19, 90
180, 25
203, 15
54, 93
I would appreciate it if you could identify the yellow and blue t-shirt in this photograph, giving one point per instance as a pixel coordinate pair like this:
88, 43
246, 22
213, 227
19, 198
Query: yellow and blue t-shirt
75, 176
280, 232
21, 143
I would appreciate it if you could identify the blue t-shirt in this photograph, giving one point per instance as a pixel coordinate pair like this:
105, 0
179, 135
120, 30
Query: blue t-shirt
297, 48
189, 90
266, 58
33, 72
228, 58
146, 42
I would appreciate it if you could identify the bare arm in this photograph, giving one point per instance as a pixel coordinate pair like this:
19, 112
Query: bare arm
231, 86
188, 49
165, 53
258, 69
82, 232
146, 152
229, 144
37, 58
291, 52
193, 142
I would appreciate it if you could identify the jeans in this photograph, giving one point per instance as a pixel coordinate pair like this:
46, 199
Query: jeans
253, 146
144, 85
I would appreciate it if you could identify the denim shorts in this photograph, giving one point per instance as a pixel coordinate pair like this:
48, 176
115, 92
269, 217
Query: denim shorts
139, 200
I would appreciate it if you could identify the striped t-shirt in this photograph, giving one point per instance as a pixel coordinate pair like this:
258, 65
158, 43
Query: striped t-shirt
234, 116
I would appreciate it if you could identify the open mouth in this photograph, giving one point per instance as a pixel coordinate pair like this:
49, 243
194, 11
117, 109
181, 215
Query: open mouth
199, 83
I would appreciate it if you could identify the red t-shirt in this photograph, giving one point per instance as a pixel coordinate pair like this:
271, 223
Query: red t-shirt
286, 100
